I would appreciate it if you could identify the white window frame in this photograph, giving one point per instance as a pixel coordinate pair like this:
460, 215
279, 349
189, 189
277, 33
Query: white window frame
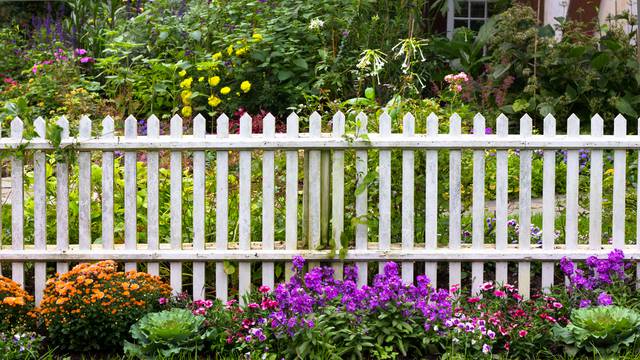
451, 18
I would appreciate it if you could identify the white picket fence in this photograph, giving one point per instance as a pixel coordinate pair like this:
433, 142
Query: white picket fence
320, 149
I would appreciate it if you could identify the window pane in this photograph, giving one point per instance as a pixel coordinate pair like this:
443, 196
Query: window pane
463, 11
477, 9
460, 23
476, 24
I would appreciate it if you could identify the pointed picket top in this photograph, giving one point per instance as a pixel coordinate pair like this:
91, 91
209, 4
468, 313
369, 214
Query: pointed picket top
269, 125
361, 123
597, 125
199, 126
16, 128
153, 126
384, 123
619, 125
338, 124
502, 125
176, 126
222, 125
84, 128
432, 124
525, 125
408, 124
107, 127
130, 127
245, 125
64, 124
455, 124
573, 125
549, 125
40, 127
315, 123
479, 124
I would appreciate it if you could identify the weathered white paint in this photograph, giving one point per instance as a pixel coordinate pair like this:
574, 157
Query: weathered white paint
548, 201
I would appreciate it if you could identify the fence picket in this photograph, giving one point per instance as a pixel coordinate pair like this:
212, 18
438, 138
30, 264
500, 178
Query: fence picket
314, 180
455, 202
502, 198
268, 194
107, 186
153, 166
384, 182
175, 166
431, 199
40, 209
62, 200
17, 203
337, 198
222, 207
595, 187
477, 268
244, 215
619, 183
524, 205
130, 191
199, 132
548, 201
291, 211
573, 173
362, 169
408, 212
84, 187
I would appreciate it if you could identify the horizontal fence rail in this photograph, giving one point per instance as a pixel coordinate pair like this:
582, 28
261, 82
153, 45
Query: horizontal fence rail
314, 187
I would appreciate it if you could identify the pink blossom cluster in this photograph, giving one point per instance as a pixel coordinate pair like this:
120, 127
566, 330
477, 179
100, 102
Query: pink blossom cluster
60, 55
455, 81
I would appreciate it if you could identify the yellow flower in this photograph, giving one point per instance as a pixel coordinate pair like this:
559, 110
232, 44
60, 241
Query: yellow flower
256, 37
214, 100
201, 79
245, 86
230, 50
217, 56
186, 111
186, 83
241, 51
225, 90
186, 97
182, 73
215, 80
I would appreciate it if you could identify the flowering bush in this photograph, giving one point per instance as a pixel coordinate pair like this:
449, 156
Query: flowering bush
16, 306
93, 306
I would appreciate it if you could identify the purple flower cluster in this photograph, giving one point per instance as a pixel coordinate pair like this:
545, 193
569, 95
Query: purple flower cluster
303, 295
597, 276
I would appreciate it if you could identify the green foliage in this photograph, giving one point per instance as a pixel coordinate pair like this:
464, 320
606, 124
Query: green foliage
167, 333
21, 346
604, 330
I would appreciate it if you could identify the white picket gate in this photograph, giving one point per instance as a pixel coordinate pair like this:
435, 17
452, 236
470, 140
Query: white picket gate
320, 149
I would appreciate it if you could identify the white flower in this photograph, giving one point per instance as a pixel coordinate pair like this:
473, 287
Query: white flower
316, 24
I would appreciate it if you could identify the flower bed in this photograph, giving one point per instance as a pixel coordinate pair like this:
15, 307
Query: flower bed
315, 315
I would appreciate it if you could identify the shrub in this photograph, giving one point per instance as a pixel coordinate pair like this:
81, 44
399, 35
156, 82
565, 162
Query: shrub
16, 306
20, 346
600, 330
167, 333
93, 306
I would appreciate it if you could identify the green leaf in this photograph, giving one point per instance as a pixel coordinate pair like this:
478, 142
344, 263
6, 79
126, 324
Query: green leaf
370, 93
284, 75
163, 35
600, 61
520, 105
624, 107
301, 63
196, 35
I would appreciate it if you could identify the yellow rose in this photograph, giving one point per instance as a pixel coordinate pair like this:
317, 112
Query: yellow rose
230, 50
214, 100
186, 83
217, 56
245, 86
215, 80
256, 37
186, 111
201, 79
225, 90
182, 73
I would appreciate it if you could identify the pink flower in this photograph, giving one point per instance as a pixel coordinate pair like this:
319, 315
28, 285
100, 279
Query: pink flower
557, 305
264, 289
499, 293
253, 306
522, 333
86, 59
473, 300
163, 301
34, 69
487, 286
80, 51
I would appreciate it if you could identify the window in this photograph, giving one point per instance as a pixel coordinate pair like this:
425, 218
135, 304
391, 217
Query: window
471, 14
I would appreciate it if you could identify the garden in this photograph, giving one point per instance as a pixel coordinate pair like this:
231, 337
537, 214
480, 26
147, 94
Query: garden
142, 60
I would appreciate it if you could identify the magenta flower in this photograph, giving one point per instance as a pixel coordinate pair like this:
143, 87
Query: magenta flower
605, 299
86, 59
